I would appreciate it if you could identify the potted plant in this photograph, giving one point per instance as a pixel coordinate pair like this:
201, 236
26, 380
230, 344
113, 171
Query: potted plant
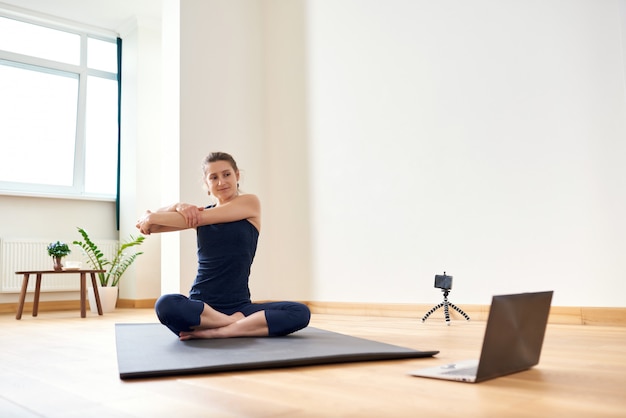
114, 268
58, 250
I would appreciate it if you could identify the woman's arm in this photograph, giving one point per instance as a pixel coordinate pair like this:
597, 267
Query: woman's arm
242, 207
154, 222
245, 206
189, 212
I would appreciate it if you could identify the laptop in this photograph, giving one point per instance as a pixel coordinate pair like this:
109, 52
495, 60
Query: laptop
513, 339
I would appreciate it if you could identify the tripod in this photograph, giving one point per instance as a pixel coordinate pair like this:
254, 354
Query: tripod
445, 305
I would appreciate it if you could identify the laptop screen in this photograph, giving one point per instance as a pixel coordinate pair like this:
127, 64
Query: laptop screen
514, 335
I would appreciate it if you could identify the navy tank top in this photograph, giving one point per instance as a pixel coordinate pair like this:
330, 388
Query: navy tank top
225, 255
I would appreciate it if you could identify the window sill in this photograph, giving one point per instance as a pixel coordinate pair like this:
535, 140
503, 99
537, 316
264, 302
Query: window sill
92, 197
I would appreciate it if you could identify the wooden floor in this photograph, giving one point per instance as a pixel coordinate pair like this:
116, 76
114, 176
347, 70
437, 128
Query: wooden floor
59, 365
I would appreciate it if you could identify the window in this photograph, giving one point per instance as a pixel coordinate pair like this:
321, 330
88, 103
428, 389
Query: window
58, 111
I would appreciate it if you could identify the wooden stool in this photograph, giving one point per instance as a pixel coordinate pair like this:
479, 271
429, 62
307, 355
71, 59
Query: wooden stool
83, 289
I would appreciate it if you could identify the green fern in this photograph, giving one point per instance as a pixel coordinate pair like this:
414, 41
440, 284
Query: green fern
118, 265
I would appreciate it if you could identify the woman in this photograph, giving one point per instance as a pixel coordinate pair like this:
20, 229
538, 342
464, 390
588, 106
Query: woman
219, 303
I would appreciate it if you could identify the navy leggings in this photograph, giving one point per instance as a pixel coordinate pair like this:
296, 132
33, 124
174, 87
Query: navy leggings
179, 313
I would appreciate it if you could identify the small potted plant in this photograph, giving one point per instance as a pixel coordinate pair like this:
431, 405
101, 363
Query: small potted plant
114, 268
58, 250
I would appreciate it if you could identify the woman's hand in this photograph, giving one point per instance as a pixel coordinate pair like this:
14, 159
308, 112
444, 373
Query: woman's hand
172, 218
143, 223
189, 212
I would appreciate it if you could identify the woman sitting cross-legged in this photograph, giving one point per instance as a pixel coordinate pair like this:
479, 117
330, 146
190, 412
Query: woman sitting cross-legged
219, 304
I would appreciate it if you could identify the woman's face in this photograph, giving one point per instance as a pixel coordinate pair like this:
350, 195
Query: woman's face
221, 180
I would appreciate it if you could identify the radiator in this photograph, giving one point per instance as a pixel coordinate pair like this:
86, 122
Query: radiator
32, 254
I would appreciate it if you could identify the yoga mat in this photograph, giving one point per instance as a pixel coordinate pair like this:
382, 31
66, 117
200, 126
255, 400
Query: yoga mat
152, 350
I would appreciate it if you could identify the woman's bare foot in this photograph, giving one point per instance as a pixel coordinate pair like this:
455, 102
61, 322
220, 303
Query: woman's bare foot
210, 319
200, 333
254, 325
211, 324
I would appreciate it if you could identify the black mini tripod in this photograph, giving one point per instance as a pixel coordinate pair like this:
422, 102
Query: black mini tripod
445, 284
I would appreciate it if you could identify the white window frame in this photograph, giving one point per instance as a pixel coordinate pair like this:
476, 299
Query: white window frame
76, 191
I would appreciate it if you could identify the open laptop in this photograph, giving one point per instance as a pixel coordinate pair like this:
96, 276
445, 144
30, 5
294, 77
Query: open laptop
512, 343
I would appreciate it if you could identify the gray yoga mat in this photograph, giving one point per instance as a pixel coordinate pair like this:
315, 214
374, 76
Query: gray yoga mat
151, 350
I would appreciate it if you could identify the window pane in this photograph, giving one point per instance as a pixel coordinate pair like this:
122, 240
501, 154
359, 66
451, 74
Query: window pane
39, 41
101, 131
102, 55
38, 120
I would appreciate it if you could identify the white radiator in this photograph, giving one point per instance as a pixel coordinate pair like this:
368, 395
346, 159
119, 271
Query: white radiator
32, 254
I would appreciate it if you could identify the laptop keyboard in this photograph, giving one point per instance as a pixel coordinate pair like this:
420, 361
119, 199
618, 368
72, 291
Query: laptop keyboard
463, 372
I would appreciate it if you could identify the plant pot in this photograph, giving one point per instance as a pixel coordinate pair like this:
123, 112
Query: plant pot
58, 264
108, 298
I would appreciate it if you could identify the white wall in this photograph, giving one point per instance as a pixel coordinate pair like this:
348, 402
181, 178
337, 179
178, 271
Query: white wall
242, 90
390, 141
286, 246
52, 220
141, 183
482, 138
220, 88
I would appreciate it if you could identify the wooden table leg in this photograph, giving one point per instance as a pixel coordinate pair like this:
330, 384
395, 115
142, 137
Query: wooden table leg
83, 294
20, 307
96, 294
37, 293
